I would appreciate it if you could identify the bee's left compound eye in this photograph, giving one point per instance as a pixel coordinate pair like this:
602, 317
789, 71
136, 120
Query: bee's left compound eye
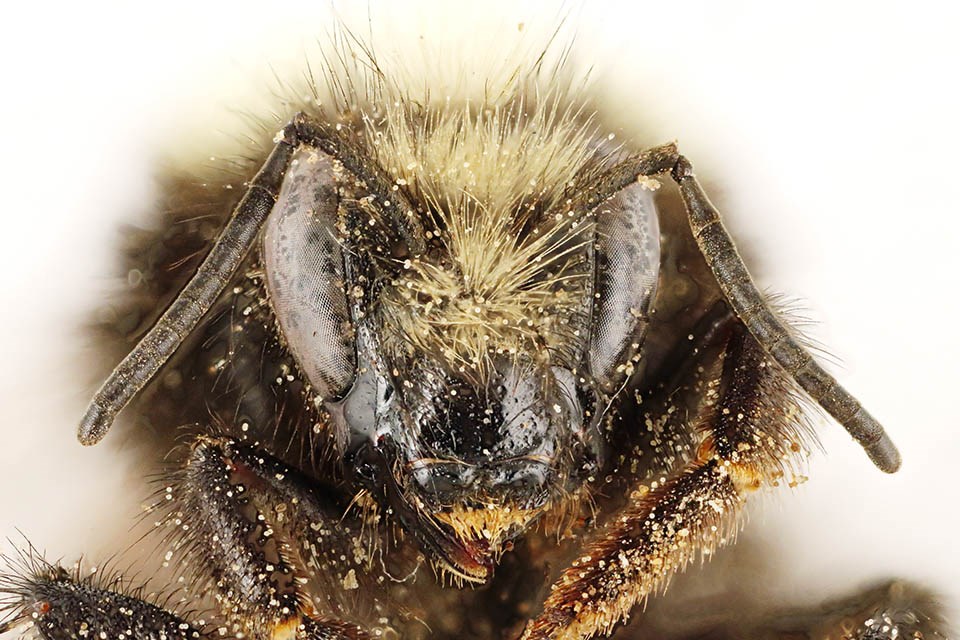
305, 274
628, 265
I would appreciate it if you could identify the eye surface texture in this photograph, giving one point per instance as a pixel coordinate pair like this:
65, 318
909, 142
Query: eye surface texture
628, 262
305, 274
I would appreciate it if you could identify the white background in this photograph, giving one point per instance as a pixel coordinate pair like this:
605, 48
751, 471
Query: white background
828, 134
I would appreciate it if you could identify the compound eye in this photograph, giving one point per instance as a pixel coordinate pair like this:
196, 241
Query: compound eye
305, 274
628, 266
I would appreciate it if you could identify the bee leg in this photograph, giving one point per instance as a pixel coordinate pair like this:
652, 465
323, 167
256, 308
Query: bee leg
891, 611
895, 610
60, 604
752, 432
772, 333
260, 532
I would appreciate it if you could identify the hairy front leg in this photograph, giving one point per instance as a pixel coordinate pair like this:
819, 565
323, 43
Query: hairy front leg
751, 432
258, 539
257, 535
61, 604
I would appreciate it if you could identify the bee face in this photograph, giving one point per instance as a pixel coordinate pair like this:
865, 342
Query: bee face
470, 343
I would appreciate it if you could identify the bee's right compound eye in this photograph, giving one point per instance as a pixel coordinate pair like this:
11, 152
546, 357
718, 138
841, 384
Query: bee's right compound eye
305, 274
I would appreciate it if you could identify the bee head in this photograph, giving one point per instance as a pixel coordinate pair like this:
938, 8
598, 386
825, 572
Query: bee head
468, 367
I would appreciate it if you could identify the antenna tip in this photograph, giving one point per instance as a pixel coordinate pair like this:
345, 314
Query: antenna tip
94, 425
884, 454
